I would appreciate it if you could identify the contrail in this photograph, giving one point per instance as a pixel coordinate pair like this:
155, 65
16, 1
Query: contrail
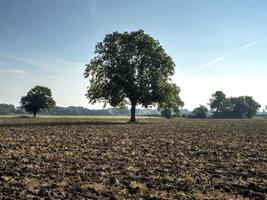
221, 58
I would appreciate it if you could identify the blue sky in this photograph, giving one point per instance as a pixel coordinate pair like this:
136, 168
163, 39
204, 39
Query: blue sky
215, 44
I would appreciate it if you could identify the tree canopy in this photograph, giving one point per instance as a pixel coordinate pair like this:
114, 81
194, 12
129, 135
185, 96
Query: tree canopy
243, 106
201, 112
131, 68
233, 107
219, 103
37, 99
171, 101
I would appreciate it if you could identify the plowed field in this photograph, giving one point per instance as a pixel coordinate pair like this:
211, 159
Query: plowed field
57, 158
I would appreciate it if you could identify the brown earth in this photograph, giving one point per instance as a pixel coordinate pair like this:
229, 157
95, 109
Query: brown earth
49, 158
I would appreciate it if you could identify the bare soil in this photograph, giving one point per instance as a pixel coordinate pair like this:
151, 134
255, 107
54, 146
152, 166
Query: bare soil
56, 158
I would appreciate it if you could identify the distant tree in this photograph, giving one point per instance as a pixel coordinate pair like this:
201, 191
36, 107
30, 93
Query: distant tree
124, 111
243, 106
238, 107
20, 110
253, 106
130, 68
37, 99
167, 113
219, 104
7, 109
201, 112
233, 107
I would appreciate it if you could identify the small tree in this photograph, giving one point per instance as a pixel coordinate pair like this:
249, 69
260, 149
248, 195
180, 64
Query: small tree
130, 68
201, 112
167, 113
37, 99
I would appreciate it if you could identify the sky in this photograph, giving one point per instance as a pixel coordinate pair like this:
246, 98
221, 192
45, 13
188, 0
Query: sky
215, 44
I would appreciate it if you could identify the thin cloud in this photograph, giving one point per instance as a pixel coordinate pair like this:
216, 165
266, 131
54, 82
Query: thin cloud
33, 58
42, 61
223, 57
15, 71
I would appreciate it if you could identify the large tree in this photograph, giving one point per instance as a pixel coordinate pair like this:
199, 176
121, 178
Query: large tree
130, 68
37, 99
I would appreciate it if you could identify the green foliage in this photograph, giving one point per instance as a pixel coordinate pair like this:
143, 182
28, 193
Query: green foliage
7, 109
77, 110
233, 107
171, 101
243, 106
37, 99
130, 68
219, 103
201, 112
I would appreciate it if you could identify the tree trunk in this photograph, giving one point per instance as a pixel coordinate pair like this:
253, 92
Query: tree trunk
133, 113
34, 114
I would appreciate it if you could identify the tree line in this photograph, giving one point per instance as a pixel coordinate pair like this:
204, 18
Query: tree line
220, 107
9, 109
132, 68
231, 107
